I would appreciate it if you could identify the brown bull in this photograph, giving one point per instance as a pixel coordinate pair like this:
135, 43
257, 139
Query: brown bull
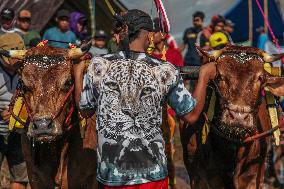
52, 145
224, 161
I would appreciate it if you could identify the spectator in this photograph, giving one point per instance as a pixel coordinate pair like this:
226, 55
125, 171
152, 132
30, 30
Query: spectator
172, 44
192, 57
262, 38
78, 25
24, 27
99, 44
218, 25
229, 26
7, 21
60, 36
162, 50
229, 29
113, 43
10, 143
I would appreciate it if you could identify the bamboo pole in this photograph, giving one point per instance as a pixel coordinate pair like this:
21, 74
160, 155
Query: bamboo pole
92, 4
265, 5
250, 14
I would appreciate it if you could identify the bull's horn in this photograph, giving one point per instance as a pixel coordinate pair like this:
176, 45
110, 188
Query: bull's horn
271, 58
18, 54
78, 52
210, 54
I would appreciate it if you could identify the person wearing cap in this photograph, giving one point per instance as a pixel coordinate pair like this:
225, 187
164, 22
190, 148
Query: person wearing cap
99, 44
78, 25
61, 35
10, 142
218, 40
7, 18
229, 26
127, 90
229, 29
24, 28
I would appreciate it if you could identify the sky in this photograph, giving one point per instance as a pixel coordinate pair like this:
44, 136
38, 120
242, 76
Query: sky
180, 11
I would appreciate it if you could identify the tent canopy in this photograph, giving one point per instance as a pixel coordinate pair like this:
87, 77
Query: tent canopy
239, 14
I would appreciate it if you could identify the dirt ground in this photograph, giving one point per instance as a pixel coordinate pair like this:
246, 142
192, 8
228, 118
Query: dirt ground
182, 179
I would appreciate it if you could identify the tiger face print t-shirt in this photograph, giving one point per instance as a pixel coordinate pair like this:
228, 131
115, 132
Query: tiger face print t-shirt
128, 95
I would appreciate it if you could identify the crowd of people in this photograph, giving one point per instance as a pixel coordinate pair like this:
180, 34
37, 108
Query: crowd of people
16, 33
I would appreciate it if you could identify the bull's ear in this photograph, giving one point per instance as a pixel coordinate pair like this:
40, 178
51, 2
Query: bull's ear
271, 58
17, 54
212, 54
76, 53
275, 84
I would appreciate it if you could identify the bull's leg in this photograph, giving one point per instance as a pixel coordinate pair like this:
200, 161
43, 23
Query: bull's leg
60, 180
82, 159
250, 170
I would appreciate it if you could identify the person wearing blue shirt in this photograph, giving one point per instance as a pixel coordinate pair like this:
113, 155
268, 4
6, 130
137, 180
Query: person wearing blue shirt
60, 36
262, 39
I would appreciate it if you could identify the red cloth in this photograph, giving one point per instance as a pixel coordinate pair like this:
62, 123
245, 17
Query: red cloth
173, 56
171, 41
161, 184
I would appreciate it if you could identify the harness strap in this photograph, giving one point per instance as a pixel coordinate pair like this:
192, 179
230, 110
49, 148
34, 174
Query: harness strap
208, 117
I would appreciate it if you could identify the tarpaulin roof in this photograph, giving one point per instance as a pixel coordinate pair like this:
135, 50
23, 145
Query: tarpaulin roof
43, 11
239, 14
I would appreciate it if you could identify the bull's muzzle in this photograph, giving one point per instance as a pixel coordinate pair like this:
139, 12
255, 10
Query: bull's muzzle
239, 116
42, 126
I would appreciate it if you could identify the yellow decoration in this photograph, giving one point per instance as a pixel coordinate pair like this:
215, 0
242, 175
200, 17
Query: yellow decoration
270, 100
164, 52
210, 114
19, 110
151, 46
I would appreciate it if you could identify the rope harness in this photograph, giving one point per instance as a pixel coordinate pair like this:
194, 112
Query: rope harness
248, 135
20, 94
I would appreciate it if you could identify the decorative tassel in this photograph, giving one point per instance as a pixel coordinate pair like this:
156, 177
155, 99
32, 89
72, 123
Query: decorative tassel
42, 43
164, 52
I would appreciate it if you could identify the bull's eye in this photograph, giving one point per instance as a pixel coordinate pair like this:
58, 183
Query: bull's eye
146, 91
113, 86
67, 85
221, 78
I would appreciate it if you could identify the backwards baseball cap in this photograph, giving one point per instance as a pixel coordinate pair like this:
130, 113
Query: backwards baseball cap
229, 23
25, 14
7, 14
63, 13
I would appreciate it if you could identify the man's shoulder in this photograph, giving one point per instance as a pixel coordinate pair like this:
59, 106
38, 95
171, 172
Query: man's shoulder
51, 30
190, 29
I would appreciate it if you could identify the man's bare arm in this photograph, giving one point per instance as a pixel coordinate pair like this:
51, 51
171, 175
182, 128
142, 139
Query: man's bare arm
206, 73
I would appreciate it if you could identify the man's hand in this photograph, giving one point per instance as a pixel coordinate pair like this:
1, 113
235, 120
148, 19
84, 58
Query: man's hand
6, 115
208, 71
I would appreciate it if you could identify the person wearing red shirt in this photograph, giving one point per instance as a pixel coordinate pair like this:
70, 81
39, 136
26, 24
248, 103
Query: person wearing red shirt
162, 50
